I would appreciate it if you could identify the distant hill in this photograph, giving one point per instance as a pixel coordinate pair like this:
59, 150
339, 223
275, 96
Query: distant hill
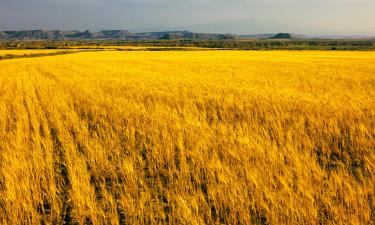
40, 34
364, 37
114, 33
282, 36
169, 34
238, 27
108, 34
63, 34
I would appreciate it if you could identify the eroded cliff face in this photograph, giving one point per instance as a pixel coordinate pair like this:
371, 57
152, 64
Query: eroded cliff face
61, 34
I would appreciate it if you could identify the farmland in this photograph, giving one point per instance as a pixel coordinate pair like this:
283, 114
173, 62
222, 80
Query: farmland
188, 137
15, 53
238, 44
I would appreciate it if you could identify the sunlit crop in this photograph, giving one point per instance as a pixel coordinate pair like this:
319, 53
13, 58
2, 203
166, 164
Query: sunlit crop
176, 137
28, 52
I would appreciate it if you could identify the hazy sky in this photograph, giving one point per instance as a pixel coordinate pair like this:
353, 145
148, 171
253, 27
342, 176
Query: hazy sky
311, 16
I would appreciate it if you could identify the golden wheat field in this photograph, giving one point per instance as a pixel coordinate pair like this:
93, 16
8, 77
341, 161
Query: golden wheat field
29, 52
176, 137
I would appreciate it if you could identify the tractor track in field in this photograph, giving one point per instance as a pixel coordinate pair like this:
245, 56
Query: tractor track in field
35, 55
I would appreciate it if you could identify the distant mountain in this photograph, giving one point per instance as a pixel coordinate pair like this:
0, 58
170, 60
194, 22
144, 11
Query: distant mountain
239, 27
256, 36
342, 36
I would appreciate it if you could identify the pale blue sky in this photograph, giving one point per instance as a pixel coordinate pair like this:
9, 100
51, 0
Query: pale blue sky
307, 16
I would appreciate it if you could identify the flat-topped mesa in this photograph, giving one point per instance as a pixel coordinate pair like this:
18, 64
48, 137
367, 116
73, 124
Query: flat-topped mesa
282, 36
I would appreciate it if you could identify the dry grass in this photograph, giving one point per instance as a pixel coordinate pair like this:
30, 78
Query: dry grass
227, 137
